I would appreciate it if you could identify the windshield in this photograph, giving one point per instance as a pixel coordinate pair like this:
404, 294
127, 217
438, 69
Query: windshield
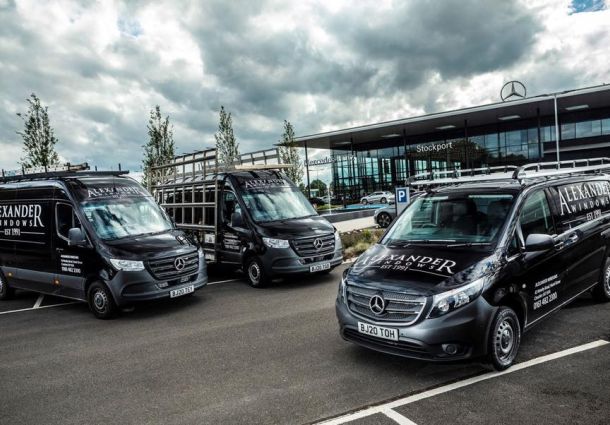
458, 218
124, 217
276, 203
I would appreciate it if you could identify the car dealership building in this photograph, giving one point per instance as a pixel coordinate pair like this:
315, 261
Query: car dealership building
523, 130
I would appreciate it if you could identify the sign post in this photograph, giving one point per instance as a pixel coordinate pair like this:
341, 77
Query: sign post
402, 199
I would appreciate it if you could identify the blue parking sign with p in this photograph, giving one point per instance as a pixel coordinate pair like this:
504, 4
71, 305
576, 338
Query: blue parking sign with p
402, 198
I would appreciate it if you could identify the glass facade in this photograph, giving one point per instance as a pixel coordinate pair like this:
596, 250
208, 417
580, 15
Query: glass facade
359, 169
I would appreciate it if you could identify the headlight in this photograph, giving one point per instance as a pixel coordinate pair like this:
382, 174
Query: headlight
127, 265
451, 300
342, 287
337, 239
276, 243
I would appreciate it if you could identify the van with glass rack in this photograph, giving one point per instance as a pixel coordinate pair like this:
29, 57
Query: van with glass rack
94, 236
483, 256
247, 215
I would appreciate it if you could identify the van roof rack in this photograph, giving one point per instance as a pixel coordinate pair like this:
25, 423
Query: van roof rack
55, 171
551, 169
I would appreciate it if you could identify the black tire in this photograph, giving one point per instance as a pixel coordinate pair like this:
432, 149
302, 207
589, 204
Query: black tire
255, 272
384, 200
6, 292
504, 339
100, 301
364, 201
601, 291
384, 220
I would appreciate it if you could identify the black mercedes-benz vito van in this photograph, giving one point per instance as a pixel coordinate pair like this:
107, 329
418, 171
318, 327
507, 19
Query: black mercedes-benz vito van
473, 263
98, 237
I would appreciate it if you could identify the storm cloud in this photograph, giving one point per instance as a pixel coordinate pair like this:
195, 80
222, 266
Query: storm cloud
101, 67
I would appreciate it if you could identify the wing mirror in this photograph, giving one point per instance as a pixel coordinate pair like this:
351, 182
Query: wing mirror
237, 220
539, 242
76, 237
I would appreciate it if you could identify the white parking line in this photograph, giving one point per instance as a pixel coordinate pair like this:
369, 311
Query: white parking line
383, 408
37, 308
39, 301
397, 417
224, 281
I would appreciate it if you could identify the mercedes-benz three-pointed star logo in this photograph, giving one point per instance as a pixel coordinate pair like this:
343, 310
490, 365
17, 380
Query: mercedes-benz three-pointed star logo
513, 89
318, 244
377, 304
180, 263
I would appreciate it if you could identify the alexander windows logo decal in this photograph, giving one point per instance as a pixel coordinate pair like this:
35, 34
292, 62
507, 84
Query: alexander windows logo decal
14, 218
113, 192
582, 197
422, 263
256, 183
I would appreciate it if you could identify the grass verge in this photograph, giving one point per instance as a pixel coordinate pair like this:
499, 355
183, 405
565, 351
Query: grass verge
358, 241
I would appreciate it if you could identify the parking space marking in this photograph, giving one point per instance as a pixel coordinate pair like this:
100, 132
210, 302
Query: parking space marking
385, 407
39, 301
37, 308
397, 417
224, 281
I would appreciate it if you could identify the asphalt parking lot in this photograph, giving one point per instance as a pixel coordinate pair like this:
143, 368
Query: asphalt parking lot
231, 354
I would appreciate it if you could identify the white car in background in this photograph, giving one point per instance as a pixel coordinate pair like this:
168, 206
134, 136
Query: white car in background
381, 197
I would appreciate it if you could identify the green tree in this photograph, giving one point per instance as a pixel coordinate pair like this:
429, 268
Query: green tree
320, 186
290, 155
227, 149
38, 136
160, 147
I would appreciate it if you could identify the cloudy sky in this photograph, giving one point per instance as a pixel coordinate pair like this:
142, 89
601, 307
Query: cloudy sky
101, 66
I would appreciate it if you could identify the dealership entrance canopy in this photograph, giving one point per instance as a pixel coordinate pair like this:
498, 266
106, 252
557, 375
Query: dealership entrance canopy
383, 155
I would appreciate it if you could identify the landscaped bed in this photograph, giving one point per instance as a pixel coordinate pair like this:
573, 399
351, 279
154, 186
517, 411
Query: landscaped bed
358, 241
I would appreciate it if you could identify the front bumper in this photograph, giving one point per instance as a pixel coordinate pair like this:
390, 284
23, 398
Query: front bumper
286, 261
132, 287
466, 328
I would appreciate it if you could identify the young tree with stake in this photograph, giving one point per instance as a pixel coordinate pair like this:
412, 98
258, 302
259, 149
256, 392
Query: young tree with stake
38, 136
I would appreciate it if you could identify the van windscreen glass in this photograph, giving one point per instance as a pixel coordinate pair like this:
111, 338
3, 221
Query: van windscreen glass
460, 218
274, 203
124, 217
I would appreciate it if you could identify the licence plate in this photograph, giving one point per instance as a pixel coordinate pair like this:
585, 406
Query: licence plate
319, 267
378, 331
182, 291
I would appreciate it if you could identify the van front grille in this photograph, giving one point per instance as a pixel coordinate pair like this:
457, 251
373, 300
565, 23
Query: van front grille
314, 246
171, 267
398, 307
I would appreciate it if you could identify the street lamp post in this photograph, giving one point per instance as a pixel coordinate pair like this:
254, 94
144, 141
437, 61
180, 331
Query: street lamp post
556, 129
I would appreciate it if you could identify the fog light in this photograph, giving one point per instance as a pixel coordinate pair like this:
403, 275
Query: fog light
450, 349
163, 285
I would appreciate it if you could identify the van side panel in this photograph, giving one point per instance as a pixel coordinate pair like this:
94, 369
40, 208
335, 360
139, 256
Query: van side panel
580, 207
31, 225
7, 243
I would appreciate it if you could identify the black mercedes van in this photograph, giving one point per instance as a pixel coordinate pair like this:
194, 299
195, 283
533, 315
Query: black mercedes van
97, 237
475, 262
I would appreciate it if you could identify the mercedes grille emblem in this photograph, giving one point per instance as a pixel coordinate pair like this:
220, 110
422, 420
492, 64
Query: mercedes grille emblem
180, 264
513, 89
377, 304
318, 244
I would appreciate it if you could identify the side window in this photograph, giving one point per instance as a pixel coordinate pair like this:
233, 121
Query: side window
65, 219
229, 205
580, 202
536, 216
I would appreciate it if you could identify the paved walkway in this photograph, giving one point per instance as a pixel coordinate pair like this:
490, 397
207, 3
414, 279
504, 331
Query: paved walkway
355, 224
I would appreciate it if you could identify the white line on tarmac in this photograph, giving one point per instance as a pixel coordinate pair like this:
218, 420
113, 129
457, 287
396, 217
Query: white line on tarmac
37, 308
39, 301
224, 281
397, 417
382, 408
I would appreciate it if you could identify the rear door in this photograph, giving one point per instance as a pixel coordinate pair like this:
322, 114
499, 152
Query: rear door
580, 210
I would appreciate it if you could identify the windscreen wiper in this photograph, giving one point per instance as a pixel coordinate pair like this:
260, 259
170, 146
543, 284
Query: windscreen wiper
467, 244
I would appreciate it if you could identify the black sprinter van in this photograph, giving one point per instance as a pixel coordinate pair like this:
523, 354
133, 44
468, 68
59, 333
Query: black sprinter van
97, 237
479, 259
248, 216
